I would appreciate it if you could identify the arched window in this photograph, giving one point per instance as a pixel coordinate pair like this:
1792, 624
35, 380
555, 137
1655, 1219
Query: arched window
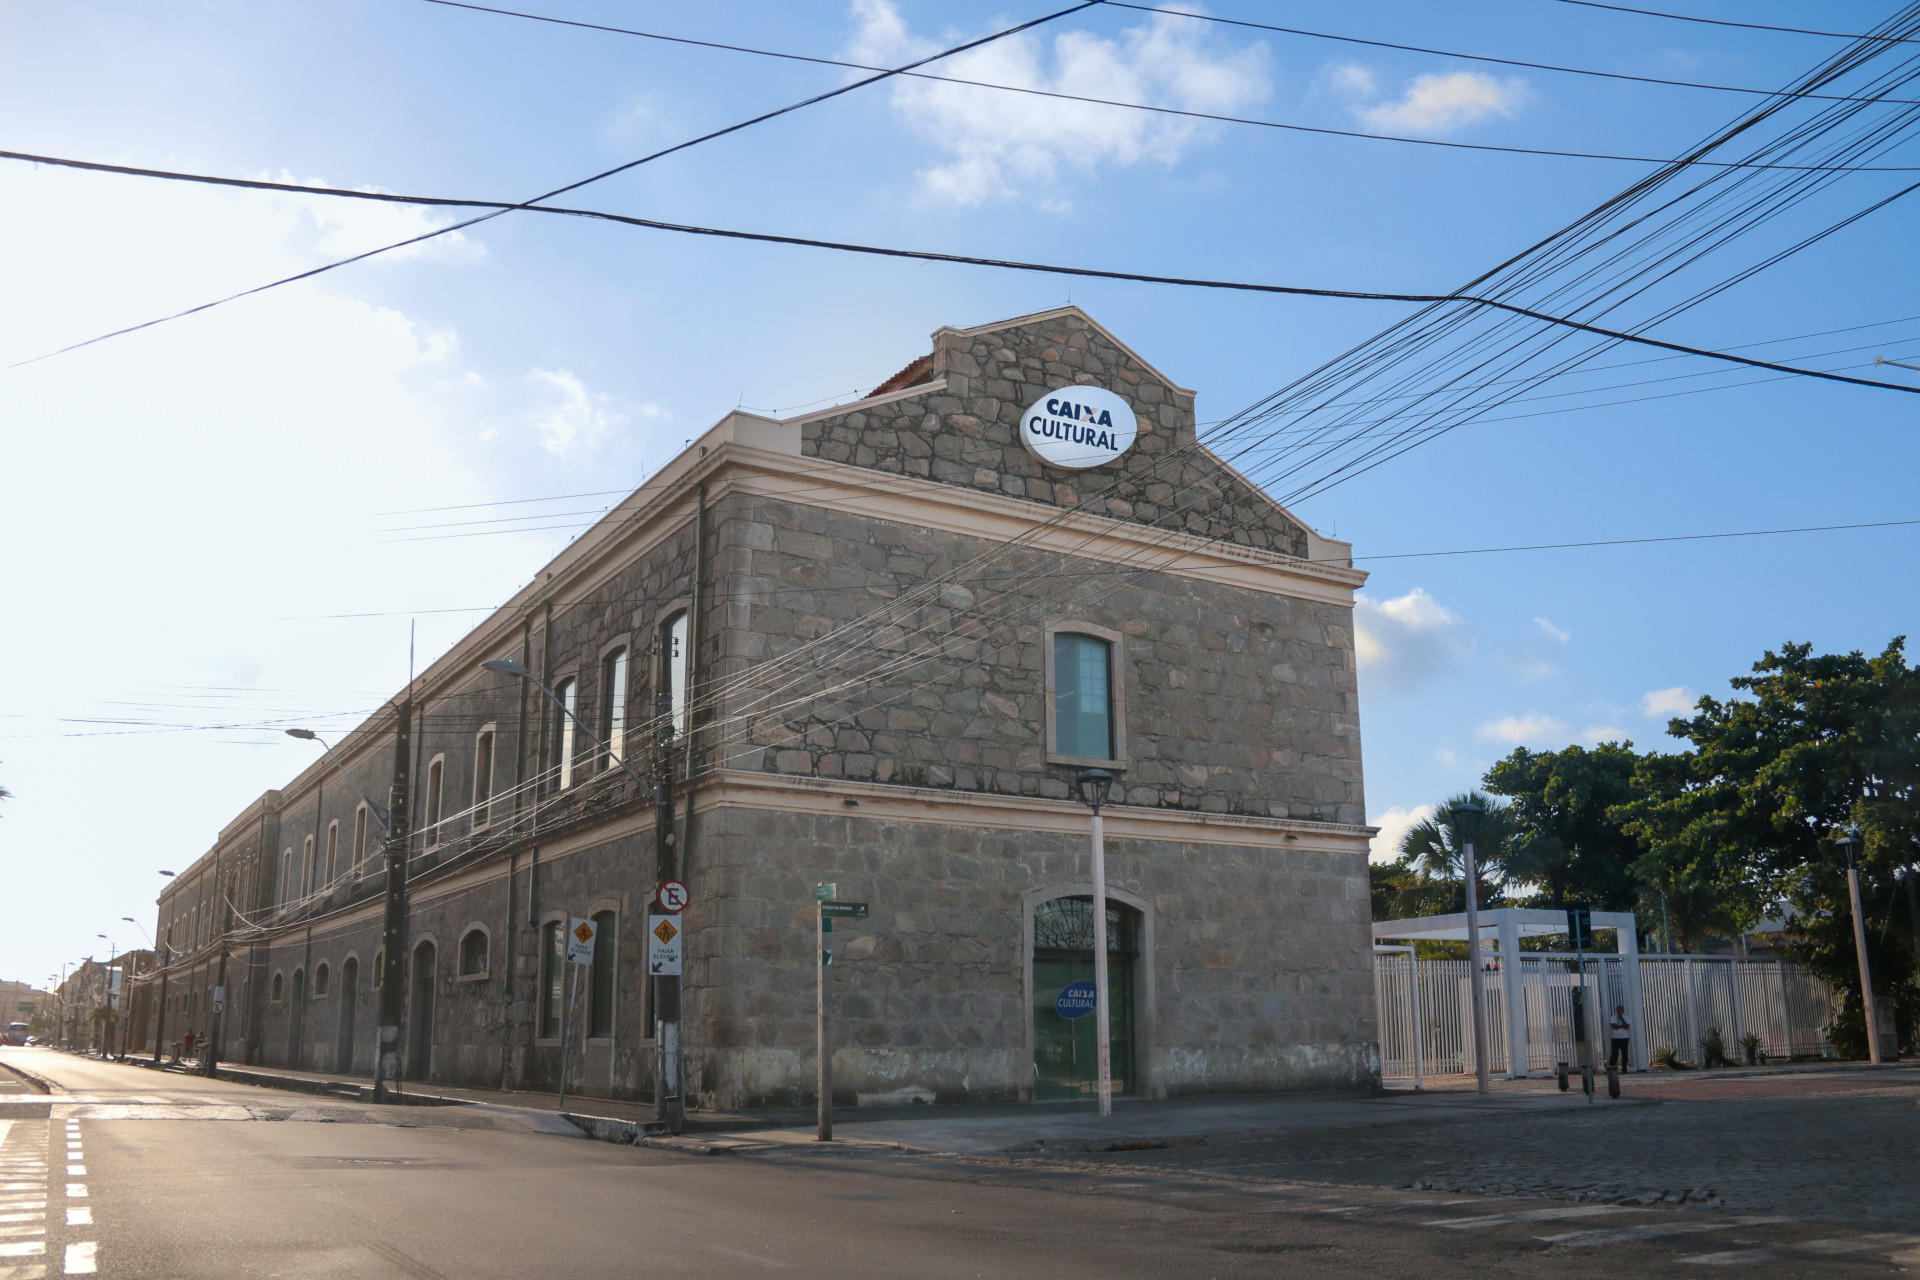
379, 967
553, 973
309, 872
333, 851
473, 952
279, 987
600, 990
674, 655
360, 816
569, 694
1082, 696
436, 776
613, 711
482, 777
288, 890
322, 979
1066, 924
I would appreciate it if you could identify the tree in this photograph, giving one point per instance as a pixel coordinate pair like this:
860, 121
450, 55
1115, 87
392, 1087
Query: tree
1820, 741
1567, 840
1434, 849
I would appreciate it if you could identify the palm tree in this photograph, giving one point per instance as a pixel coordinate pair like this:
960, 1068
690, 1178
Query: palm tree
1434, 848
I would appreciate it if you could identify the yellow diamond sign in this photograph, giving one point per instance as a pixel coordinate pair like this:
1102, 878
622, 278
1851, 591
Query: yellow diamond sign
665, 931
583, 931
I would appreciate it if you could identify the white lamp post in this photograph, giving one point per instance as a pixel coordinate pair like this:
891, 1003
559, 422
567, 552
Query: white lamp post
1466, 822
1094, 785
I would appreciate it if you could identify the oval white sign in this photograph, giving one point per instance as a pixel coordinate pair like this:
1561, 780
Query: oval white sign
1078, 427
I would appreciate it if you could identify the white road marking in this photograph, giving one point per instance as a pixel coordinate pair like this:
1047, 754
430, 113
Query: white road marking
24, 1249
1732, 1257
1530, 1215
1652, 1231
1857, 1244
81, 1217
32, 1271
80, 1258
76, 1191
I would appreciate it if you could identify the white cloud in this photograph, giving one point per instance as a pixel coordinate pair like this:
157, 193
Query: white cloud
577, 419
1352, 79
1533, 656
1666, 703
1443, 103
1595, 734
1447, 756
1004, 144
1558, 633
1394, 824
1534, 728
1405, 641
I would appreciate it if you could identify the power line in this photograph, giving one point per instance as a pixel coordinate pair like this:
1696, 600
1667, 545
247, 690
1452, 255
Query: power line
1727, 22
1628, 542
920, 255
499, 209
1414, 48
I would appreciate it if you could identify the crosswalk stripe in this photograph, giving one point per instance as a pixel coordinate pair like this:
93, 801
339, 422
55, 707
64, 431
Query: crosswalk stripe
1857, 1244
82, 1258
1732, 1257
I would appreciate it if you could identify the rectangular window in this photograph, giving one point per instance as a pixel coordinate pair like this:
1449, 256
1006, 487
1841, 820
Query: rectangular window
569, 692
436, 774
613, 716
553, 951
1082, 696
482, 778
676, 656
601, 989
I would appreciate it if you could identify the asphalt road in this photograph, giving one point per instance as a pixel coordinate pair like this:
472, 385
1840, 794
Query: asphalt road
133, 1173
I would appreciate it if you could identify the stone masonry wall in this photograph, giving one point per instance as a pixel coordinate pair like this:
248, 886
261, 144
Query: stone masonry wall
967, 435
1261, 961
1236, 701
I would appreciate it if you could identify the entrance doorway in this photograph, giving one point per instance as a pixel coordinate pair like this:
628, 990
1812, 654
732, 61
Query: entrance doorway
349, 1010
420, 1015
1065, 1050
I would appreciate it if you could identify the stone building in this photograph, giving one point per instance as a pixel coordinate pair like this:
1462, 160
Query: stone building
871, 646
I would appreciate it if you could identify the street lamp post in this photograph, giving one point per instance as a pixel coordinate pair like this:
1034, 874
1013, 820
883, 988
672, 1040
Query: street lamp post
1850, 845
1094, 785
1466, 823
126, 984
106, 1031
379, 812
160, 1015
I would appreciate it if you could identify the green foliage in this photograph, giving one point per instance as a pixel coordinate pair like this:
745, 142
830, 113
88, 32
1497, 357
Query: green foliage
1434, 851
1669, 1057
1566, 839
1713, 1048
1750, 1047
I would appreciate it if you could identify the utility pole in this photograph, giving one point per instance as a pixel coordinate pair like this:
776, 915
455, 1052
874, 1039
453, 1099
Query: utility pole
668, 1106
160, 1018
1850, 844
216, 1042
393, 994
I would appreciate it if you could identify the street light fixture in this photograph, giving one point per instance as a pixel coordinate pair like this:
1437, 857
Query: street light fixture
1093, 785
1851, 844
379, 812
1466, 825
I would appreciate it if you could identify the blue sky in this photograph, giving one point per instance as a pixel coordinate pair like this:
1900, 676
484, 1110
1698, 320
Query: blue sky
182, 506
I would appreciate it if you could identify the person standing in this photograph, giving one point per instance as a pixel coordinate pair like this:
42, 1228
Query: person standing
1621, 1036
188, 1042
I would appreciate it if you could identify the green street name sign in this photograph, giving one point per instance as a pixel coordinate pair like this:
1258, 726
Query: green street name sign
845, 910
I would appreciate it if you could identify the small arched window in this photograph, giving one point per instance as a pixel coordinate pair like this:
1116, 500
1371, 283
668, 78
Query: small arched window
279, 986
436, 776
674, 651
613, 711
322, 979
473, 952
333, 851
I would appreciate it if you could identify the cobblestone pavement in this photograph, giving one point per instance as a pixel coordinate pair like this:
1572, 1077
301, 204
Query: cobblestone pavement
1820, 1147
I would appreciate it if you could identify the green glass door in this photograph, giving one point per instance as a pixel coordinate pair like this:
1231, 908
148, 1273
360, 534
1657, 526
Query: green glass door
1065, 1058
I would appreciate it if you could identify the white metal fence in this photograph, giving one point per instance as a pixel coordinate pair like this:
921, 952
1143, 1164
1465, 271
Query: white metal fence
1426, 1025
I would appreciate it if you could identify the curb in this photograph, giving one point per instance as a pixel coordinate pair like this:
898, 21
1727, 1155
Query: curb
38, 1084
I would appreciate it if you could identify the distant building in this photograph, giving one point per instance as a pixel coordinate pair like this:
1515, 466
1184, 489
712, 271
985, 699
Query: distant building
870, 646
23, 1003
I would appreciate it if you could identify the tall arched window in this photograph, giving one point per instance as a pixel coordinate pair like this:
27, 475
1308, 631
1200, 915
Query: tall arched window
436, 778
674, 657
613, 712
600, 991
333, 850
1082, 696
569, 694
310, 872
553, 973
360, 816
482, 777
473, 952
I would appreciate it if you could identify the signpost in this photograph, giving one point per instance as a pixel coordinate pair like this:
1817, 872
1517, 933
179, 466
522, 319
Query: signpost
579, 952
673, 896
827, 896
664, 951
1580, 928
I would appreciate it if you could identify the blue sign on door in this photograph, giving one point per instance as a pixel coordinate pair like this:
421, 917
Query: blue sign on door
1076, 1000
